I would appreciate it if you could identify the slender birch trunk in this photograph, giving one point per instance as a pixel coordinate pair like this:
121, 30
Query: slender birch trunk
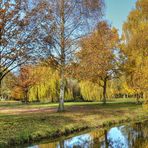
62, 67
62, 91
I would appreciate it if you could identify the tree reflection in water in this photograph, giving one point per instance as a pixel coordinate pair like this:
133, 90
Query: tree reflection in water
129, 136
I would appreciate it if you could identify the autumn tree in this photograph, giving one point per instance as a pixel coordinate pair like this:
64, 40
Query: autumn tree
71, 19
135, 32
97, 61
28, 77
17, 34
47, 89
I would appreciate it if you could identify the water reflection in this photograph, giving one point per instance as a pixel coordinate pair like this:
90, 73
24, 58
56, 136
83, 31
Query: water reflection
130, 136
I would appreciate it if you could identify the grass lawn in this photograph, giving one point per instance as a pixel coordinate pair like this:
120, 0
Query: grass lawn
44, 122
18, 104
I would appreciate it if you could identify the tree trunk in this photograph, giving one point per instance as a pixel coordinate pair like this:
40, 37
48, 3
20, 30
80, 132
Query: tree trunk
0, 89
62, 91
26, 96
62, 43
138, 97
1, 73
0, 78
104, 90
37, 96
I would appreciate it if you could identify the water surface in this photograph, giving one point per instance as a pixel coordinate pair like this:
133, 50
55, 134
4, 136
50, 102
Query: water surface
126, 136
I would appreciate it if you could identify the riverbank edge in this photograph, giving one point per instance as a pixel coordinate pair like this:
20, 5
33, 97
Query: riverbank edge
67, 132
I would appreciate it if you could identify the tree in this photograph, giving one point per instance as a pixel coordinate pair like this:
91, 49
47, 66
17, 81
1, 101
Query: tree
71, 19
47, 88
135, 32
27, 78
96, 59
17, 34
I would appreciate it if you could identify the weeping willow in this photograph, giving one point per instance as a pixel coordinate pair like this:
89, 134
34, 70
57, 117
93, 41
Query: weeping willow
47, 88
90, 91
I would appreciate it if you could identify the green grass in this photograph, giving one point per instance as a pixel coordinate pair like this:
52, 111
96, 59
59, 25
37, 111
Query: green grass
29, 127
14, 104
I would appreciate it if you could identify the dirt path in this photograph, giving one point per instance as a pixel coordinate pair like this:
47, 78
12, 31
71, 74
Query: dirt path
48, 109
6, 110
28, 110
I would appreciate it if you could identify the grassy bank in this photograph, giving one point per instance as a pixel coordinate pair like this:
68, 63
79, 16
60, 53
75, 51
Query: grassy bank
35, 126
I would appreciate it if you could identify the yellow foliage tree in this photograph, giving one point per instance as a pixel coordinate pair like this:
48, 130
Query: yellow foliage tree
96, 59
136, 49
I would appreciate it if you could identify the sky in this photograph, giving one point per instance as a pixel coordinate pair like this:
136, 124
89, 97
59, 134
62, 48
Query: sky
116, 12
